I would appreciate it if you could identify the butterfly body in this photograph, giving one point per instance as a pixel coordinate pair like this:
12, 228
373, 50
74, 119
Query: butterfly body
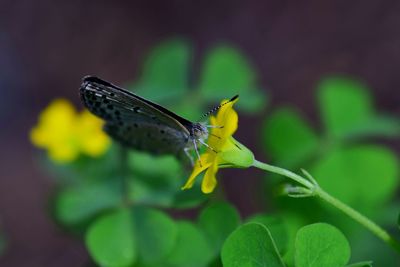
137, 122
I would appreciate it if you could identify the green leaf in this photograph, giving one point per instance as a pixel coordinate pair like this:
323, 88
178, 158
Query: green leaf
288, 138
218, 220
321, 244
167, 166
191, 248
361, 264
398, 221
362, 176
166, 71
276, 226
156, 234
184, 199
85, 168
253, 100
226, 72
160, 186
345, 104
250, 245
76, 204
110, 239
376, 126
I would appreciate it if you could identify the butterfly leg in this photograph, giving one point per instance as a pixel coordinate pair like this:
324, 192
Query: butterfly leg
214, 126
197, 151
186, 149
214, 135
203, 143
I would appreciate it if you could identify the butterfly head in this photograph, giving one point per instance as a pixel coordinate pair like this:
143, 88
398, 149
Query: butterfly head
199, 131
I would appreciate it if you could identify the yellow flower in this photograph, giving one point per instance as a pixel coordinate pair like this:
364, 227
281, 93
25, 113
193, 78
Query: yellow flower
66, 134
230, 153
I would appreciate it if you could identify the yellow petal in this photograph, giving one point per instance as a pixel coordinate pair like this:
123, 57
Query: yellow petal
93, 141
205, 163
96, 145
209, 181
38, 137
62, 153
230, 123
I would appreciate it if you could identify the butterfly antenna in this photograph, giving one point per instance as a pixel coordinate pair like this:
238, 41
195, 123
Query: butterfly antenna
214, 109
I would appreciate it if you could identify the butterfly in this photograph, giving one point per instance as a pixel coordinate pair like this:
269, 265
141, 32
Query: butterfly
140, 124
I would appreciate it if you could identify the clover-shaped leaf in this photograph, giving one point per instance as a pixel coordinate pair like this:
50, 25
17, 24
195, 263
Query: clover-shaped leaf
165, 72
155, 234
347, 110
191, 248
250, 245
218, 220
123, 236
168, 167
77, 204
276, 226
226, 72
110, 239
288, 138
321, 244
361, 176
159, 186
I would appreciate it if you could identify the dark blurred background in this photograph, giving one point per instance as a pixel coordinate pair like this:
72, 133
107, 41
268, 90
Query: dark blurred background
46, 47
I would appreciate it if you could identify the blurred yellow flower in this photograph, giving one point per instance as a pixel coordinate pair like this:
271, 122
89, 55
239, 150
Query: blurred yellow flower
66, 134
230, 153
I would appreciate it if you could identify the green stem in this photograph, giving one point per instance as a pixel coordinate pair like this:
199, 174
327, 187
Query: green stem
266, 167
317, 191
358, 217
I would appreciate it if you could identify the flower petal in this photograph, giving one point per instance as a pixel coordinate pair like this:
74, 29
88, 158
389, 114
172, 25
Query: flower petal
230, 123
205, 163
209, 181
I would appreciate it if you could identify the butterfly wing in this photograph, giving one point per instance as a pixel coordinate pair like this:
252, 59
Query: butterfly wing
133, 120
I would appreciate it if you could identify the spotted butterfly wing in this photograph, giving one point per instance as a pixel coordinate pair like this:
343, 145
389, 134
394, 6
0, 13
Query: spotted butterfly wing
134, 121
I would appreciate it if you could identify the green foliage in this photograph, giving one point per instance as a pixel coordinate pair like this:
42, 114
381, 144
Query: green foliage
160, 186
361, 264
347, 110
191, 248
250, 245
277, 227
218, 220
77, 204
288, 138
110, 239
321, 244
156, 234
110, 198
360, 169
124, 236
165, 73
95, 188
345, 163
225, 72
398, 221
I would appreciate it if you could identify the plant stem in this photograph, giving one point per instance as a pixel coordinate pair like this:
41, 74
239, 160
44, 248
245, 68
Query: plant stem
317, 191
361, 219
266, 167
